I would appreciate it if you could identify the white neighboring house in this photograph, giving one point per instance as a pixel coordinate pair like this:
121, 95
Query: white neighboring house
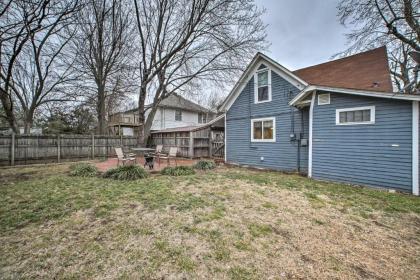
174, 111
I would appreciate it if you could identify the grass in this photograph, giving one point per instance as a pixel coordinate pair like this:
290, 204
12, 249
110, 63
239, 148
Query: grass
227, 223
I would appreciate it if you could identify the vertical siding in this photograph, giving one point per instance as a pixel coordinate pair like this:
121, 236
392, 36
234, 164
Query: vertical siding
364, 154
280, 155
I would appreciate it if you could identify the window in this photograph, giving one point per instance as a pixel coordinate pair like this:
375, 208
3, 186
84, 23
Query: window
202, 118
263, 86
178, 115
359, 115
324, 99
263, 130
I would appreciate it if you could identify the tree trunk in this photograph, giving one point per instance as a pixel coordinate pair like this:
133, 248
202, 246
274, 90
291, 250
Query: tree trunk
101, 110
142, 98
8, 110
27, 127
29, 120
149, 122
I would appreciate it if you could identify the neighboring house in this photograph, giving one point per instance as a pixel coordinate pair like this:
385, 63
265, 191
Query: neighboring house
33, 131
338, 121
174, 111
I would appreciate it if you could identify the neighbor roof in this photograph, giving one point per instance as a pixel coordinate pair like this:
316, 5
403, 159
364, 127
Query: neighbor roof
363, 71
177, 101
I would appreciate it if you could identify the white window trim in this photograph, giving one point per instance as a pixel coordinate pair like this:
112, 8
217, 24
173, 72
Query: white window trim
256, 85
262, 120
372, 115
325, 94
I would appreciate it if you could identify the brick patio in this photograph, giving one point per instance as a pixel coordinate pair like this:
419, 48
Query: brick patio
112, 163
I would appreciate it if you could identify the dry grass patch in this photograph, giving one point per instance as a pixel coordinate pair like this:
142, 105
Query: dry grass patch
223, 224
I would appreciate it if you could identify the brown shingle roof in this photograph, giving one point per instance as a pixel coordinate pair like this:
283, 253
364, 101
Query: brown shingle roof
367, 70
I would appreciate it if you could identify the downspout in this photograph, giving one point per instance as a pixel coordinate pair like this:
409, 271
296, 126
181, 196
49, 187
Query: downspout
311, 113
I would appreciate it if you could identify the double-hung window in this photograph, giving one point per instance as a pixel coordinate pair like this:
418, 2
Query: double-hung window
263, 85
263, 130
358, 115
202, 118
178, 115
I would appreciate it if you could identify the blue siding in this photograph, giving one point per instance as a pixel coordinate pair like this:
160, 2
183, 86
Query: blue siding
363, 154
280, 155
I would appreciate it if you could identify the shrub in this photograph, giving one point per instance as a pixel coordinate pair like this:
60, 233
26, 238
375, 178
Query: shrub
178, 171
83, 170
205, 165
126, 173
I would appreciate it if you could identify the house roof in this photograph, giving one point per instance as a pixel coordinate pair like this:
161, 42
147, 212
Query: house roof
366, 73
178, 102
363, 71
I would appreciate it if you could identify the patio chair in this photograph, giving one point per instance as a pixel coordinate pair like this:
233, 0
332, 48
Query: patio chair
158, 153
172, 155
122, 158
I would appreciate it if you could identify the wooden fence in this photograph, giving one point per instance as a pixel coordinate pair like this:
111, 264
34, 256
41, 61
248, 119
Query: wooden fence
194, 144
218, 149
29, 149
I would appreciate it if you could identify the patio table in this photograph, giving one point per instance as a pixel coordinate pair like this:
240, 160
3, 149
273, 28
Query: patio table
141, 150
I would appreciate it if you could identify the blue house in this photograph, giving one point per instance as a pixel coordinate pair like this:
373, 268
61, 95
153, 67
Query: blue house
337, 121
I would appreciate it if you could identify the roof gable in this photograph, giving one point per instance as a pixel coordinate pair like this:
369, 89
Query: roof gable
258, 62
363, 71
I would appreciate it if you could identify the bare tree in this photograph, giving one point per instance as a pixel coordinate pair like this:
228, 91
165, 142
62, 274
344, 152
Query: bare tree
43, 67
187, 41
33, 67
18, 21
104, 49
394, 23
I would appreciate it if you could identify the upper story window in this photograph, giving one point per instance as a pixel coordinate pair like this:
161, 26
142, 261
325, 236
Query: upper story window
263, 85
202, 118
263, 130
178, 115
358, 115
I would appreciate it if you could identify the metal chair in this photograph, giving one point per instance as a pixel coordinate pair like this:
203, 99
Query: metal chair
173, 151
158, 153
122, 158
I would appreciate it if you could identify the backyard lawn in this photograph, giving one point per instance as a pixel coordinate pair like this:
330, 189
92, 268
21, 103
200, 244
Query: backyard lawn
228, 223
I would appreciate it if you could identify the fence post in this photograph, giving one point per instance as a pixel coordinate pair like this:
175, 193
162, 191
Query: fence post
191, 146
58, 148
93, 146
121, 140
211, 144
106, 147
12, 150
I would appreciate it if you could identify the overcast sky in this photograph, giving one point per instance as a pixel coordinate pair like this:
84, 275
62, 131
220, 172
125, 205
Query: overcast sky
302, 32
